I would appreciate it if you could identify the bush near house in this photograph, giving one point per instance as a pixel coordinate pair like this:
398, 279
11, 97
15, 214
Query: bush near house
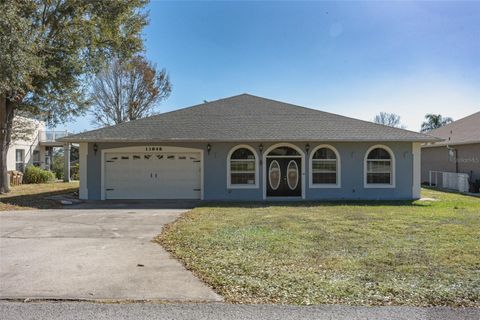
75, 172
57, 165
37, 175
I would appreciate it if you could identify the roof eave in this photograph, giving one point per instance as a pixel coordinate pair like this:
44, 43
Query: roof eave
443, 143
109, 140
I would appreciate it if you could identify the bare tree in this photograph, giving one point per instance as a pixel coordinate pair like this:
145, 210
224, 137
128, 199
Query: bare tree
388, 119
127, 91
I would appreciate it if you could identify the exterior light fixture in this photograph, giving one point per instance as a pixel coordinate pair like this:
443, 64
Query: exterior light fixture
209, 147
95, 148
260, 147
307, 147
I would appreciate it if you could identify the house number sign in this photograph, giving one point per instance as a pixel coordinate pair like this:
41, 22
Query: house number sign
153, 148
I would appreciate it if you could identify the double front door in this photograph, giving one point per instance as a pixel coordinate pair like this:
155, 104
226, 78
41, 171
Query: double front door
284, 177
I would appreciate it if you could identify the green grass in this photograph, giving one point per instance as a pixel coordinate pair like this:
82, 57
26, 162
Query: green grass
371, 253
33, 196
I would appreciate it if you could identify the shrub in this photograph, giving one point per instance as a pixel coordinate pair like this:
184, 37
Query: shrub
37, 175
75, 172
57, 165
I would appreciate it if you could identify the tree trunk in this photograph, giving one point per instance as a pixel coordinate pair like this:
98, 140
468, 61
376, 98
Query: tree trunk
6, 123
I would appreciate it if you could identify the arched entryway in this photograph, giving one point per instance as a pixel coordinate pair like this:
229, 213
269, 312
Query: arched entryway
283, 171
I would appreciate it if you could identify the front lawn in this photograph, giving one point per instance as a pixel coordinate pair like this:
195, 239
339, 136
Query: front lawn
34, 196
421, 253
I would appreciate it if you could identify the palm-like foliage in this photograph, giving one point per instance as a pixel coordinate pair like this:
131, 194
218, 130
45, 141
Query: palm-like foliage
434, 121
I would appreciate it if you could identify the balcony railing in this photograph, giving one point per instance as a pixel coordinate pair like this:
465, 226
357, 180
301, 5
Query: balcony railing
51, 136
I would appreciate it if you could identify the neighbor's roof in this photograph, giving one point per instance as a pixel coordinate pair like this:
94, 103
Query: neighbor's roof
247, 118
463, 131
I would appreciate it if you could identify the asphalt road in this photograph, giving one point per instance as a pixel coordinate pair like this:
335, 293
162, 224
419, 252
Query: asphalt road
143, 311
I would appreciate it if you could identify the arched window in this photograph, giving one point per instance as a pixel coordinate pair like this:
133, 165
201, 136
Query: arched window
379, 167
242, 168
325, 167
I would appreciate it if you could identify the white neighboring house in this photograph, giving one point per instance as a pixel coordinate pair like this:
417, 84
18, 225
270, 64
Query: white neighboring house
37, 149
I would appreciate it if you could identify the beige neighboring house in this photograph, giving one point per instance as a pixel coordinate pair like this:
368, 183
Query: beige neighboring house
36, 148
459, 152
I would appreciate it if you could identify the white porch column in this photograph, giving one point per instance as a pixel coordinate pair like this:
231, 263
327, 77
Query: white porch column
417, 154
66, 164
83, 154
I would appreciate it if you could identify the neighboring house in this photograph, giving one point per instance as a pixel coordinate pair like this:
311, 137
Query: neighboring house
458, 152
249, 148
34, 148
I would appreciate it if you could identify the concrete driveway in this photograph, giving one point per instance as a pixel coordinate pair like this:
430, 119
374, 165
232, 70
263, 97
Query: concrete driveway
93, 254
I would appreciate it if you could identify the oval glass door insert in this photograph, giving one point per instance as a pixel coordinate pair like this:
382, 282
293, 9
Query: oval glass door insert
274, 175
292, 175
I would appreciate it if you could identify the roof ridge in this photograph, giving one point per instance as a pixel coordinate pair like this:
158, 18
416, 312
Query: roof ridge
196, 124
339, 115
457, 121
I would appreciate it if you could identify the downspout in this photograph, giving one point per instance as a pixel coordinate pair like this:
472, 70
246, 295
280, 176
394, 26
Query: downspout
456, 156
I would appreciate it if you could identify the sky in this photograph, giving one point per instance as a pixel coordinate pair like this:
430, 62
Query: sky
351, 58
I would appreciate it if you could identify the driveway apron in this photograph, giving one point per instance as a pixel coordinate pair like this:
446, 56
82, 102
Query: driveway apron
92, 254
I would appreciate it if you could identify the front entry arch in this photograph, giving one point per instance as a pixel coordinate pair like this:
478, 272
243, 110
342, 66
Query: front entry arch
283, 171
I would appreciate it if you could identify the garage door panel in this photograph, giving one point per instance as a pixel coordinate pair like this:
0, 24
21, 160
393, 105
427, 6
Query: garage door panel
152, 176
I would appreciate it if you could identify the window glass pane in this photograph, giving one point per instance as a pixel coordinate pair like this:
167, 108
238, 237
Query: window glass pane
242, 153
242, 166
378, 166
379, 153
36, 156
242, 178
292, 175
274, 175
19, 155
323, 166
324, 153
382, 178
325, 177
284, 151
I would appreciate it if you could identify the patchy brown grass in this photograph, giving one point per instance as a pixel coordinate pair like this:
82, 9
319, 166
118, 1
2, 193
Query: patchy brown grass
33, 196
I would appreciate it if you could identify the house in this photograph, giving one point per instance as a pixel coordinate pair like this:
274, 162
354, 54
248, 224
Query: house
249, 148
458, 152
34, 144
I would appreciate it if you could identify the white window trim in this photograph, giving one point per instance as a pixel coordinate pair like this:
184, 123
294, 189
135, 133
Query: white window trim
339, 169
379, 185
242, 186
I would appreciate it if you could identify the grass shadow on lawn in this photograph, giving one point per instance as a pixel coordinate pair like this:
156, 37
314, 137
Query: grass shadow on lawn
302, 203
33, 201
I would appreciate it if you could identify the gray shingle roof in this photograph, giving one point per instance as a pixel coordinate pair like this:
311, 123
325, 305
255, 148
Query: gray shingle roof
247, 118
462, 131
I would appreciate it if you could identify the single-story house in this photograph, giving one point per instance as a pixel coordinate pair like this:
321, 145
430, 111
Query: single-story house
458, 152
247, 148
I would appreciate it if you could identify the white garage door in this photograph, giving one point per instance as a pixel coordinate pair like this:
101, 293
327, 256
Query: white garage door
136, 175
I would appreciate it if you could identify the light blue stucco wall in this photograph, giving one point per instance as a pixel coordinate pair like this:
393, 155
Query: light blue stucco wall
215, 172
